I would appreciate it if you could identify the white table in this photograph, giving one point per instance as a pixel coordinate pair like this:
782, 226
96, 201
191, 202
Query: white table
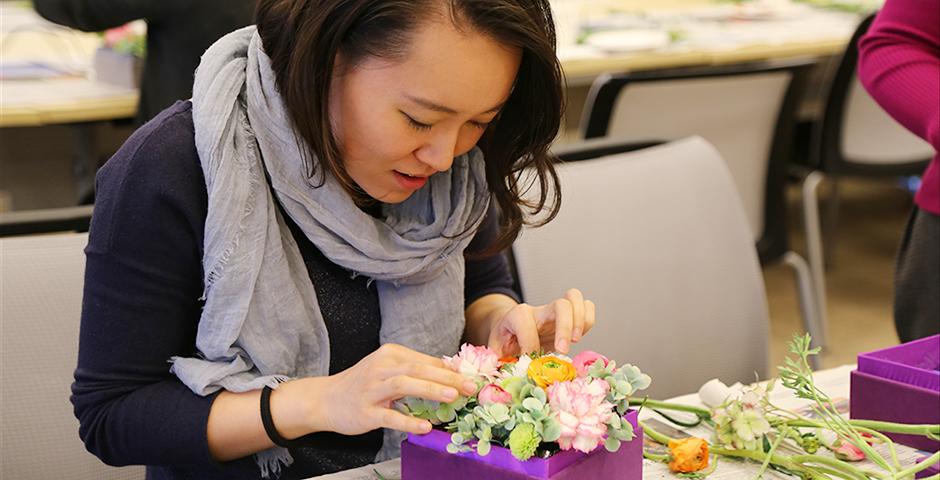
834, 382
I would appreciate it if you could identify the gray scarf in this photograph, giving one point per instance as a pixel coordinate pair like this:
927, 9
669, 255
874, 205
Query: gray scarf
261, 323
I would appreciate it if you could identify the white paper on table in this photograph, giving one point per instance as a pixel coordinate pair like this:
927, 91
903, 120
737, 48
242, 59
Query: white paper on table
833, 382
389, 470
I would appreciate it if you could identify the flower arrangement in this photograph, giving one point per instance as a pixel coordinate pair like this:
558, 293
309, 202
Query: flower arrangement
120, 59
128, 39
749, 426
535, 404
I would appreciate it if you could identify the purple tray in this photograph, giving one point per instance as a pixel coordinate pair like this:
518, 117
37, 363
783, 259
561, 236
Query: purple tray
875, 398
425, 456
914, 363
931, 470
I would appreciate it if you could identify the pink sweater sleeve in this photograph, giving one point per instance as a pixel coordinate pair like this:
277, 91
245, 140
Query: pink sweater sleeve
899, 64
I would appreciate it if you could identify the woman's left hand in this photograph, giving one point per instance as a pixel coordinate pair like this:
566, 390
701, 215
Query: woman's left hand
554, 326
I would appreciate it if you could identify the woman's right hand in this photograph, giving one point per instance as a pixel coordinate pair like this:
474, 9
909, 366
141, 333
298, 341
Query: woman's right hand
359, 399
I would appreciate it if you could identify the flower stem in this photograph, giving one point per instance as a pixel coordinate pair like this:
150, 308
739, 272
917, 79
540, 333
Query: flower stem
832, 463
886, 440
750, 454
886, 427
925, 464
654, 435
701, 412
778, 460
831, 472
656, 457
773, 448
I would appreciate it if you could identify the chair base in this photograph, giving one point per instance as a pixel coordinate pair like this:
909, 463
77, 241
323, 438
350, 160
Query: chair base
814, 248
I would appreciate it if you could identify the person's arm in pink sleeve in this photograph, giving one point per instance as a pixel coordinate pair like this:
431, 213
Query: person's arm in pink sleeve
899, 64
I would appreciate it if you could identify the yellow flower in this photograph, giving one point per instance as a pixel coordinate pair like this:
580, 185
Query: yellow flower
545, 371
688, 455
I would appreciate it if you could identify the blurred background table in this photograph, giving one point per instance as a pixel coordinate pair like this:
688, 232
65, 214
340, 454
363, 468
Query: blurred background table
652, 35
47, 74
600, 36
47, 79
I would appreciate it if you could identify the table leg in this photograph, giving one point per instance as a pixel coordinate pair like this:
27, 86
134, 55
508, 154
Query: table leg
84, 161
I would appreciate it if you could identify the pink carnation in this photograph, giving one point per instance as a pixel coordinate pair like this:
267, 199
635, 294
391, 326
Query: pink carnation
583, 361
581, 408
493, 393
848, 452
473, 361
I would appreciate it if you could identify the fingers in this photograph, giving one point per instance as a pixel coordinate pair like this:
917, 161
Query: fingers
401, 386
516, 333
577, 313
589, 316
525, 329
388, 418
564, 323
439, 375
398, 361
504, 344
404, 354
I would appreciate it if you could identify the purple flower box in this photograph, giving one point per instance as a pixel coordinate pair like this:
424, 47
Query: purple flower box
900, 384
426, 456
915, 363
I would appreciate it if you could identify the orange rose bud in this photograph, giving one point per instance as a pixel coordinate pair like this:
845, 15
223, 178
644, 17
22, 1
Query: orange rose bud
688, 455
508, 359
545, 371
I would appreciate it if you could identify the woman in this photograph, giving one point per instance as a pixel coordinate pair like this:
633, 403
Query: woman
348, 153
899, 64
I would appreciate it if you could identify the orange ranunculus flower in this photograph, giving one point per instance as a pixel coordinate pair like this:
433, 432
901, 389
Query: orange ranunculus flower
545, 371
688, 455
508, 359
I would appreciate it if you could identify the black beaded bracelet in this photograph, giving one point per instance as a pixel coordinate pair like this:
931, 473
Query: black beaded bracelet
268, 421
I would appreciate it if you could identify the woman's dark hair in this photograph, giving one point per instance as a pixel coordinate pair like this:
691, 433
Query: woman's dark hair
303, 37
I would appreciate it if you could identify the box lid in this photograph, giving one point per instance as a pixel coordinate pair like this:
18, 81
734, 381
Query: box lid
914, 363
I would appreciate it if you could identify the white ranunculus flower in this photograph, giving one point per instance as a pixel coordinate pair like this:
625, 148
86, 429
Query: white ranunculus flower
713, 393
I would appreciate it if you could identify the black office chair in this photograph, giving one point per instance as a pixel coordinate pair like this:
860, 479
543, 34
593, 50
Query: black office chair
49, 220
855, 137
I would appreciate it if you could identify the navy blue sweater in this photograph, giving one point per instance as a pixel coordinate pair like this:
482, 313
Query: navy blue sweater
143, 280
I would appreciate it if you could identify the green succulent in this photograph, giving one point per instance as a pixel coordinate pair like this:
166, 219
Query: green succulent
623, 381
432, 411
524, 441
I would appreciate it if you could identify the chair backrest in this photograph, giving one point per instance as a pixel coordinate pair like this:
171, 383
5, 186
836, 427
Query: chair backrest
659, 240
46, 220
41, 279
746, 111
856, 135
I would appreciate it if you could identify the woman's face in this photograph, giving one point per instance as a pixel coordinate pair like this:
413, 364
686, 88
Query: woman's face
397, 123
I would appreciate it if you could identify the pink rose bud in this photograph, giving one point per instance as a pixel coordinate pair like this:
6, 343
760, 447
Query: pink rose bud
583, 361
493, 393
848, 452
